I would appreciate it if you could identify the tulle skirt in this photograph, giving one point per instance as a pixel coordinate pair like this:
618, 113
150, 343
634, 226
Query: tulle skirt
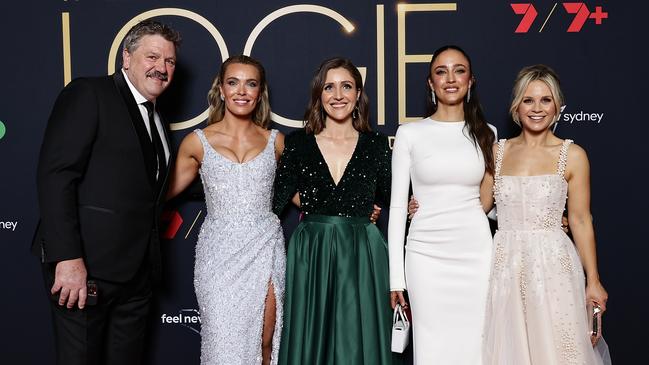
536, 307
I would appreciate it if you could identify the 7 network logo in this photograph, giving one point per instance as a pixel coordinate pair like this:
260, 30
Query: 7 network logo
580, 10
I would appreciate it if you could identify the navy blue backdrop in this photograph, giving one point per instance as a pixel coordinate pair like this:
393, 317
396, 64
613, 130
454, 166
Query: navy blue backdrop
596, 47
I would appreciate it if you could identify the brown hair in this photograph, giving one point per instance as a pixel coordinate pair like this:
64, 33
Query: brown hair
474, 118
315, 116
261, 114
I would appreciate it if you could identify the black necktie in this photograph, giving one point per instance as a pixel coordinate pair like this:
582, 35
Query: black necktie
157, 142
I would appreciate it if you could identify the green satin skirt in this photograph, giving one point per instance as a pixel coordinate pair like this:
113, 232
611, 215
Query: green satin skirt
337, 307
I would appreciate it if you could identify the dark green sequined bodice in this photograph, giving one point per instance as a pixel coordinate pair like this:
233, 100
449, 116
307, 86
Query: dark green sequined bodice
303, 169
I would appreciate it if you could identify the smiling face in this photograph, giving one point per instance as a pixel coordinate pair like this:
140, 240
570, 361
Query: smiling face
339, 94
150, 65
537, 110
240, 89
450, 77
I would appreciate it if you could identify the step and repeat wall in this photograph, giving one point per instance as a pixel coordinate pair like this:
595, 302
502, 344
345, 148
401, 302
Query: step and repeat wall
596, 46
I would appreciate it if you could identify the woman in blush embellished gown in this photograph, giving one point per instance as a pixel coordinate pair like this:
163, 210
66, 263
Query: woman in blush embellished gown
537, 302
448, 250
336, 311
240, 259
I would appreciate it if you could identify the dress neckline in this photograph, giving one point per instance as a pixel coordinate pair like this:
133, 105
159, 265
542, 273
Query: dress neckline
534, 176
448, 124
561, 163
257, 156
324, 161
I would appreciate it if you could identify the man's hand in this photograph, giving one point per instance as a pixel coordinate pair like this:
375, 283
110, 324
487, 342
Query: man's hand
70, 281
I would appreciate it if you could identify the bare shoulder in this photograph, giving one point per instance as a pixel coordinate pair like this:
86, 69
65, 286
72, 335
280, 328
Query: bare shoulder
495, 148
279, 144
494, 130
191, 139
191, 146
577, 154
279, 139
577, 164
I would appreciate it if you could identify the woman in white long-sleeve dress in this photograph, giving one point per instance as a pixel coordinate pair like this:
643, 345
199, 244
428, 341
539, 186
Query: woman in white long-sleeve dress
448, 251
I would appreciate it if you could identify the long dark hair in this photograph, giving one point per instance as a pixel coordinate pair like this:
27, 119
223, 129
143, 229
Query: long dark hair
474, 118
314, 117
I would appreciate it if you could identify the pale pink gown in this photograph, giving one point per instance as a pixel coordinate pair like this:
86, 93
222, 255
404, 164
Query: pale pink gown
536, 306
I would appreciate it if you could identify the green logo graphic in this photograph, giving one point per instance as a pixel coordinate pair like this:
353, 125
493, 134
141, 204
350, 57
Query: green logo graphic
3, 129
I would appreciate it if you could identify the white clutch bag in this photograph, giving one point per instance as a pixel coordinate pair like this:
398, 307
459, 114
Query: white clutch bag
400, 330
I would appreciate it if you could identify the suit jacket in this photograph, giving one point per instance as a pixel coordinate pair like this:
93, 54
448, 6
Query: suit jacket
97, 188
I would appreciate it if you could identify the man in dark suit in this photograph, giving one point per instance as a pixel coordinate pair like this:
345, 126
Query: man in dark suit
102, 176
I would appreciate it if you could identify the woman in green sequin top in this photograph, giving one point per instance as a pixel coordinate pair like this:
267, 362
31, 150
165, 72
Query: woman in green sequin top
336, 311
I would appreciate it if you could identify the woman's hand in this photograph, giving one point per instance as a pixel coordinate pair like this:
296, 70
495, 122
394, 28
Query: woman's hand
597, 296
296, 199
376, 213
565, 226
397, 297
413, 206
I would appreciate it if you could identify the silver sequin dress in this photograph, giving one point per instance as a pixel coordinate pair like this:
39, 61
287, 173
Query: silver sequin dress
536, 307
240, 250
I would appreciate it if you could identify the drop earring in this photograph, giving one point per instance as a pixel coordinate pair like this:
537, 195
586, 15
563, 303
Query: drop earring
355, 112
432, 97
468, 96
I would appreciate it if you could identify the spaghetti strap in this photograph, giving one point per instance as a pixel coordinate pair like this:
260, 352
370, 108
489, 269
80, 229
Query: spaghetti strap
271, 139
499, 157
204, 142
201, 135
273, 135
499, 163
563, 157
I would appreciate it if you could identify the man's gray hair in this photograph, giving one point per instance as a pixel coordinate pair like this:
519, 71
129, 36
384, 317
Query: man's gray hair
150, 27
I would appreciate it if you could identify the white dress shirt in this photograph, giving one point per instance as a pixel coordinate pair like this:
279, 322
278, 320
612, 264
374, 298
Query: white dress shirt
139, 100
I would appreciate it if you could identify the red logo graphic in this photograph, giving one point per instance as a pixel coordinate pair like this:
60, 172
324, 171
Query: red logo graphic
582, 12
173, 220
530, 14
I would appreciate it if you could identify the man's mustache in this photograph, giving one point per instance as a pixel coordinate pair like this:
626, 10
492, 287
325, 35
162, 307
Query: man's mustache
158, 75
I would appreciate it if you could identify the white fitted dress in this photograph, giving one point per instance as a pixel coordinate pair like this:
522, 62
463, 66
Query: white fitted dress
449, 244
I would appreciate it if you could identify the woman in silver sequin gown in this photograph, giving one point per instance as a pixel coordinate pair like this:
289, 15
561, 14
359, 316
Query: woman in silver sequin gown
537, 302
240, 258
